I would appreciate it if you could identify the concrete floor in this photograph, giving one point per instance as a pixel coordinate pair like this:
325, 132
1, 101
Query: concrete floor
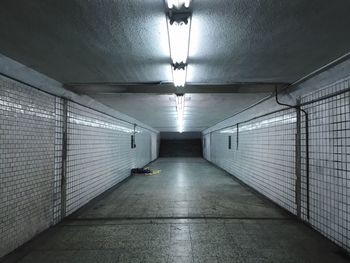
190, 212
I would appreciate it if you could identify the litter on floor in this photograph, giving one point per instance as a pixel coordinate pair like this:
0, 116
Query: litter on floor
146, 171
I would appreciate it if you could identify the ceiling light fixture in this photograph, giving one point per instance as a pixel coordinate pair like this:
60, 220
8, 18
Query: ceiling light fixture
180, 109
178, 3
179, 37
179, 25
179, 76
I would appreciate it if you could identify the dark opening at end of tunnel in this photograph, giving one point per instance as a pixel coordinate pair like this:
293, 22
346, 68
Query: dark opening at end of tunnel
174, 144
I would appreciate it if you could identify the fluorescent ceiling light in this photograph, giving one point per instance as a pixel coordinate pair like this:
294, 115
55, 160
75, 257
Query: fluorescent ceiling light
179, 77
179, 25
178, 3
180, 109
179, 38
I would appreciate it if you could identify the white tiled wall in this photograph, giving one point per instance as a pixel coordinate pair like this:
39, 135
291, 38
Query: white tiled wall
155, 145
27, 143
143, 147
264, 157
329, 183
100, 153
206, 146
99, 156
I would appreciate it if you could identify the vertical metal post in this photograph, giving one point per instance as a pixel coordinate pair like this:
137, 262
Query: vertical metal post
307, 150
134, 135
64, 159
237, 137
298, 163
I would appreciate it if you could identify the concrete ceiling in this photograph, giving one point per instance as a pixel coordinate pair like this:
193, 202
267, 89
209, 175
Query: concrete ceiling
81, 41
111, 48
159, 110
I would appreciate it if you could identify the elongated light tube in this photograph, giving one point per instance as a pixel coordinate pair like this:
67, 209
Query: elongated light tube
180, 109
179, 77
179, 25
179, 38
178, 3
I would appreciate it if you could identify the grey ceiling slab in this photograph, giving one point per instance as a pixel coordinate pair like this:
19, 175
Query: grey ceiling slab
159, 110
242, 47
265, 41
88, 41
80, 41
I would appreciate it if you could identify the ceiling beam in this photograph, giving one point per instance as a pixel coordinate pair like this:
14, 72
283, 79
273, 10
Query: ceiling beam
168, 88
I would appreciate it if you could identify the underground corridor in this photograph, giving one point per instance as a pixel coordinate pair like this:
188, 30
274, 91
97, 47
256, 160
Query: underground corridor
191, 212
174, 131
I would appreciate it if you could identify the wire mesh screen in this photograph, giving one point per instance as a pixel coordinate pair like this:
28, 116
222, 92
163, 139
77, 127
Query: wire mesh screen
329, 157
99, 154
27, 162
262, 155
